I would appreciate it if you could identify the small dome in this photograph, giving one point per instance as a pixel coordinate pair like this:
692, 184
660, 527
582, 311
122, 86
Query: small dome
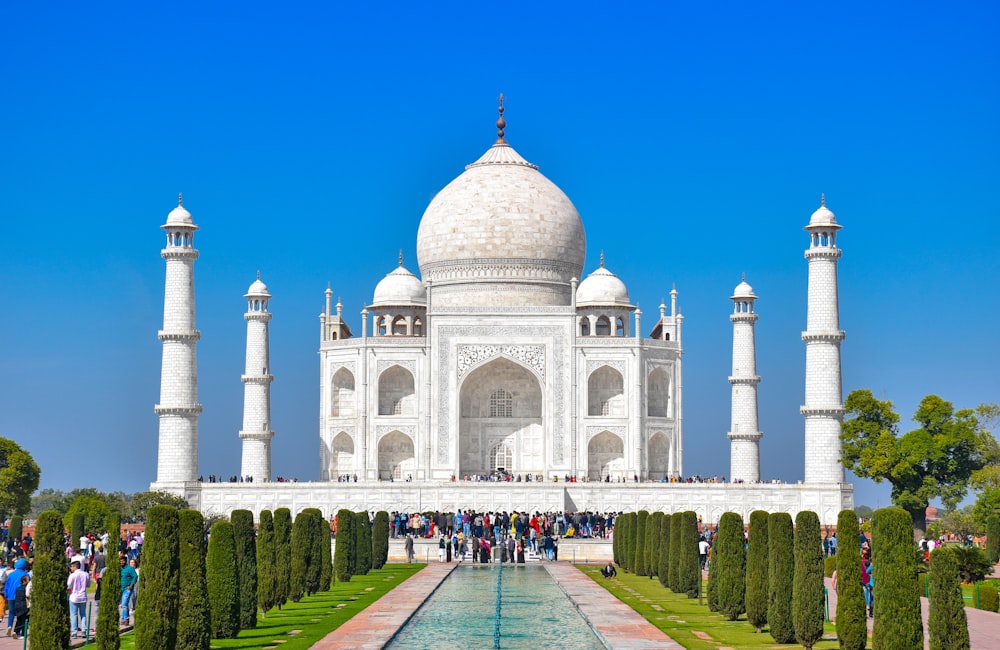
257, 289
602, 287
400, 288
823, 216
743, 290
179, 216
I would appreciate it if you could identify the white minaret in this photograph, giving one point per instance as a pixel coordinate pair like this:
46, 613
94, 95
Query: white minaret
256, 433
824, 408
744, 436
177, 457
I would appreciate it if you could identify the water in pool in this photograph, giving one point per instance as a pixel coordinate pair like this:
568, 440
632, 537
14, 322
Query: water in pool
534, 613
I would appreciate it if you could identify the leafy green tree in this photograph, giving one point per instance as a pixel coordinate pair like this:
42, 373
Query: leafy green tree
363, 543
194, 618
852, 623
380, 539
344, 550
934, 460
653, 543
93, 514
49, 625
159, 582
730, 556
246, 566
756, 595
282, 555
807, 593
106, 630
639, 553
18, 480
894, 575
947, 625
267, 578
301, 547
140, 503
663, 568
688, 568
780, 576
676, 532
223, 583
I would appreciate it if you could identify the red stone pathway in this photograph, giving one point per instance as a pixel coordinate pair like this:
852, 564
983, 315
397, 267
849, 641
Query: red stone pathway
373, 627
618, 625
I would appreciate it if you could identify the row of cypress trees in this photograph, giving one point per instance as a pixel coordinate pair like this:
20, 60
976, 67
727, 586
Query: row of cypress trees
660, 545
362, 544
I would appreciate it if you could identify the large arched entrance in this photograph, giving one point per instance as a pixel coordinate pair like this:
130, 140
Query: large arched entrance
605, 456
501, 420
341, 456
658, 456
395, 457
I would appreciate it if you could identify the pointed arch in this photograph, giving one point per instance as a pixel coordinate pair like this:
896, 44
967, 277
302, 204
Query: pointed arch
341, 455
342, 394
396, 394
658, 393
603, 326
606, 393
605, 456
396, 460
658, 455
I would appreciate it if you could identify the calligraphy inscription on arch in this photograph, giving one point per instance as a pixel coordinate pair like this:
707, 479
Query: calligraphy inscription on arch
470, 356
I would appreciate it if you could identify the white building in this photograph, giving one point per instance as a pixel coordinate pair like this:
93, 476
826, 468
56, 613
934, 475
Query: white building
498, 359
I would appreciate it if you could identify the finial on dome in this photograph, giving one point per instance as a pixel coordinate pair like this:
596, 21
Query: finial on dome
744, 276
258, 274
602, 259
401, 257
180, 199
501, 123
822, 200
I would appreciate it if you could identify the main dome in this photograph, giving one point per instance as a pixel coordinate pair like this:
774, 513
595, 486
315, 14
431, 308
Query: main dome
501, 234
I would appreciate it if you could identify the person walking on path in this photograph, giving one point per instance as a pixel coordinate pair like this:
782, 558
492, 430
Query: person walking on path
409, 548
20, 605
76, 585
11, 586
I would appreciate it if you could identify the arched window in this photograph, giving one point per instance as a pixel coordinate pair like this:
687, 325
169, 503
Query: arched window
603, 326
501, 404
620, 327
584, 326
501, 458
399, 326
418, 327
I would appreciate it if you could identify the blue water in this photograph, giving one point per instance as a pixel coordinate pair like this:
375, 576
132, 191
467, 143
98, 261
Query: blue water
534, 612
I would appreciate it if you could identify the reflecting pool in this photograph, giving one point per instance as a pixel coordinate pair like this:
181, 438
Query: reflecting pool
534, 612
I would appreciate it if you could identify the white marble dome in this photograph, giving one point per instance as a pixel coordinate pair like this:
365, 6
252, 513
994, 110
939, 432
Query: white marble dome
823, 217
179, 216
602, 287
743, 290
399, 288
501, 234
257, 289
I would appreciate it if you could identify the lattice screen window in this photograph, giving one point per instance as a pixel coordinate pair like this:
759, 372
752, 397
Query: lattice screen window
501, 404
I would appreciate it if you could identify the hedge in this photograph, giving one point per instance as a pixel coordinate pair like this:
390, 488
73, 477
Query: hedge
344, 551
988, 598
780, 576
246, 566
807, 595
947, 625
852, 621
663, 567
756, 581
106, 630
380, 539
639, 552
194, 618
223, 584
49, 625
894, 572
282, 555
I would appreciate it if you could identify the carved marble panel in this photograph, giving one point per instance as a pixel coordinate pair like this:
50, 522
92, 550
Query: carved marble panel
470, 356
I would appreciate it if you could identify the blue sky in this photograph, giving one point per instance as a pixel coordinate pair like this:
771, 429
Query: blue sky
694, 139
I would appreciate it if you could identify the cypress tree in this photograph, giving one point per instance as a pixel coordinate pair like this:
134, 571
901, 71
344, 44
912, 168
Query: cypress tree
756, 598
223, 584
106, 631
807, 592
730, 556
159, 581
301, 547
194, 618
947, 624
688, 568
992, 539
780, 576
267, 579
314, 572
639, 553
282, 555
363, 543
16, 527
380, 539
894, 581
852, 623
246, 566
663, 568
342, 560
626, 543
712, 589
49, 625
77, 531
326, 556
653, 544
676, 525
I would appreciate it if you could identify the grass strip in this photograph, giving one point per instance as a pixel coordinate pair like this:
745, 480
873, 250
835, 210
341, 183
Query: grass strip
685, 621
314, 616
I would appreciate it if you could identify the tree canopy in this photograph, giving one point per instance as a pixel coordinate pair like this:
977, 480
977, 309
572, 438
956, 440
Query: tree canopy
19, 474
935, 460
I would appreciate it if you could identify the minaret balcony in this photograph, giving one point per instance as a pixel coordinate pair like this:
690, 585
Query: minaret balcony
824, 252
257, 379
177, 410
743, 317
749, 437
179, 336
829, 337
753, 380
179, 253
827, 411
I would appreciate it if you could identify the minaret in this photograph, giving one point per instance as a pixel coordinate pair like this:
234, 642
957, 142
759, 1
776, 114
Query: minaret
824, 408
177, 457
744, 436
256, 433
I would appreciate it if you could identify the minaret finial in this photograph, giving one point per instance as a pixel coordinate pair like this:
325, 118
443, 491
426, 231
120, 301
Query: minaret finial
822, 200
744, 276
501, 123
401, 257
180, 199
258, 274
602, 259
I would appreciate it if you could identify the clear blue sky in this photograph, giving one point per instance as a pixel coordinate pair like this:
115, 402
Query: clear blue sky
694, 138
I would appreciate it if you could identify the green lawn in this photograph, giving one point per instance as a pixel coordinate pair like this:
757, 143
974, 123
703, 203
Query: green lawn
315, 616
680, 617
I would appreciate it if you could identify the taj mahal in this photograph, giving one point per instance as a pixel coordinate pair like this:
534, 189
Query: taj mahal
500, 377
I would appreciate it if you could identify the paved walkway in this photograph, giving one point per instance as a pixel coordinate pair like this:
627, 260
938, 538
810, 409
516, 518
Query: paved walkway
373, 627
618, 625
984, 627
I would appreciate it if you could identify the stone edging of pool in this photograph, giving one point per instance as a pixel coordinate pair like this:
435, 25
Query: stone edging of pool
616, 624
376, 625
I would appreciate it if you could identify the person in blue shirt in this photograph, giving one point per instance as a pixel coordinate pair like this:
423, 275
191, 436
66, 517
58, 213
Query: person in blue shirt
129, 580
10, 588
